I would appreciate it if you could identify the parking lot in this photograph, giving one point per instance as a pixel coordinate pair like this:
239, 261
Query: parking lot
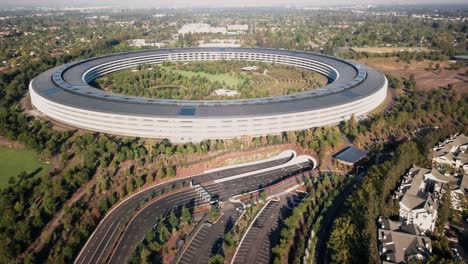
209, 240
264, 233
255, 247
192, 254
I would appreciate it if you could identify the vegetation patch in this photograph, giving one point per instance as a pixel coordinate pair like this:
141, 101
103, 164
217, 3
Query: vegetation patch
13, 161
248, 158
202, 80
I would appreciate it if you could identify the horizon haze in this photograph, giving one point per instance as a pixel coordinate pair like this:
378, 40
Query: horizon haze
212, 3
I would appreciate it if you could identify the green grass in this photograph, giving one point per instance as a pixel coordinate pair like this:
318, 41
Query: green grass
13, 161
228, 79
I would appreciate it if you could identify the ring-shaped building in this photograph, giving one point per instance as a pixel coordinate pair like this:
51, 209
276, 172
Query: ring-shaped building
64, 94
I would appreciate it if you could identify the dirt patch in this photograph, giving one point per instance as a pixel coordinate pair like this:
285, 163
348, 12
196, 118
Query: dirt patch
215, 161
10, 143
249, 158
381, 50
425, 79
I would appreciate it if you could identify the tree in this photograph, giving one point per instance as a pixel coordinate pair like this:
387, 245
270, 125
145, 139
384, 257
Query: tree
170, 171
163, 233
185, 216
216, 259
229, 240
339, 243
130, 186
173, 221
444, 210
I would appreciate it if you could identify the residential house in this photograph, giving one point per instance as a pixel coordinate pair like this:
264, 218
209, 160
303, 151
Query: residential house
402, 243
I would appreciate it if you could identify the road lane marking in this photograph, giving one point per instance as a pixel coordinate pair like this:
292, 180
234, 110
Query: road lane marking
105, 246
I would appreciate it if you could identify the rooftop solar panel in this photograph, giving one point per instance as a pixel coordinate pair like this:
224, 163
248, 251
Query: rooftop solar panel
51, 91
187, 111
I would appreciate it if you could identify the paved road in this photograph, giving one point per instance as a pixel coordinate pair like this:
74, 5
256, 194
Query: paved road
225, 190
209, 240
146, 219
137, 228
327, 224
99, 245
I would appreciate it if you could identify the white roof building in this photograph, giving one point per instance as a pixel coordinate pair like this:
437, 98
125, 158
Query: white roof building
201, 28
238, 27
145, 43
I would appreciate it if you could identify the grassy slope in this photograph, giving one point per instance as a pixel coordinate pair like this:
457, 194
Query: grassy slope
13, 161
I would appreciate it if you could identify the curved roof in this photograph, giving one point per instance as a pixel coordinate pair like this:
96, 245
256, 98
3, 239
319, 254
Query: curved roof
66, 85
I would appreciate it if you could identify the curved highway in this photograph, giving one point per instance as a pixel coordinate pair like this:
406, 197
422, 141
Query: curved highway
102, 242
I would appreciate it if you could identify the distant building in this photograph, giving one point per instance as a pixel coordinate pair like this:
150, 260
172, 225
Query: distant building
350, 155
236, 29
145, 43
201, 28
220, 43
402, 243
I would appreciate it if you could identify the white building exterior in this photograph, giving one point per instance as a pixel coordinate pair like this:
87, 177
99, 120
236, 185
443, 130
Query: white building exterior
145, 43
201, 28
453, 153
238, 28
85, 107
418, 198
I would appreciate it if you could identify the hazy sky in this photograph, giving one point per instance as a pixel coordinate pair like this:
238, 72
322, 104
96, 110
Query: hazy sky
213, 3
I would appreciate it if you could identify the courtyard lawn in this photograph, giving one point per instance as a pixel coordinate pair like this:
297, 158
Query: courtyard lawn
13, 161
228, 79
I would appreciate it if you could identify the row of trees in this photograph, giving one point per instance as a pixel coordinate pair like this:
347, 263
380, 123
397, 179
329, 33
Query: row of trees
150, 249
305, 216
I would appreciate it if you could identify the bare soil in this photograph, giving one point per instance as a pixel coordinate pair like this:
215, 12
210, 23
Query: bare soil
425, 79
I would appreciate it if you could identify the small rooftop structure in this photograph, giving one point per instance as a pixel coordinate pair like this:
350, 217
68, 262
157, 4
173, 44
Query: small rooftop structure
250, 68
201, 28
350, 155
225, 92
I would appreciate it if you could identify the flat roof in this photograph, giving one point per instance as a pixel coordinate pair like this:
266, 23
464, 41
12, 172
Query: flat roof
350, 155
93, 99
